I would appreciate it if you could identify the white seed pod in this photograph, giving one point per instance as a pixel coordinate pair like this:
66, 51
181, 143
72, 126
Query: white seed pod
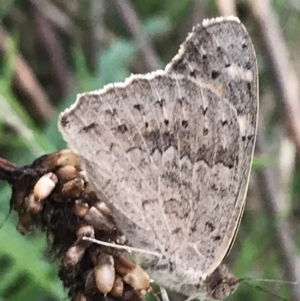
74, 255
44, 186
118, 287
104, 273
138, 279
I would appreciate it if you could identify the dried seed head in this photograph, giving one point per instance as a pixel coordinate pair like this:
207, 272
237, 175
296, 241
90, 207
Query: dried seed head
44, 186
104, 273
66, 219
74, 255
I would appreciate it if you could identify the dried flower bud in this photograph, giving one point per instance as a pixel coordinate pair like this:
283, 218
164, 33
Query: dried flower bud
84, 175
80, 208
68, 157
95, 218
85, 230
80, 297
24, 223
118, 287
73, 188
123, 265
33, 205
104, 273
67, 173
101, 206
74, 255
138, 279
44, 186
132, 274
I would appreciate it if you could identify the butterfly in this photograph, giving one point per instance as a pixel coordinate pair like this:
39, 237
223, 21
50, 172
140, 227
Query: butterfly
170, 153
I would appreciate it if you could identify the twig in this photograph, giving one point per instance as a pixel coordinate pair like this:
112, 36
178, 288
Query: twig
272, 198
97, 31
227, 7
54, 50
136, 29
10, 117
287, 82
28, 83
56, 16
6, 170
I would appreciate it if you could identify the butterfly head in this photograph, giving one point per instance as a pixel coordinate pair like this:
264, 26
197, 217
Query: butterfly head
221, 283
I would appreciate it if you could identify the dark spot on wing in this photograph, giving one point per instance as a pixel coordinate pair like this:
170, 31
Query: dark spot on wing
215, 74
244, 46
160, 102
217, 237
193, 73
89, 127
248, 66
111, 112
184, 123
210, 226
225, 122
137, 107
64, 121
122, 128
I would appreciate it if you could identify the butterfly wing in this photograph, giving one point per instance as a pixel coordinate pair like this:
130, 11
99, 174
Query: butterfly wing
171, 151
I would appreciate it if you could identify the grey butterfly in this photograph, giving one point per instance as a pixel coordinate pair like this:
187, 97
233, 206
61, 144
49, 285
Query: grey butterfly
171, 151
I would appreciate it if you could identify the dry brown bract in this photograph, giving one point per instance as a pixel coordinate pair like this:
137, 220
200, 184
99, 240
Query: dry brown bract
53, 195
